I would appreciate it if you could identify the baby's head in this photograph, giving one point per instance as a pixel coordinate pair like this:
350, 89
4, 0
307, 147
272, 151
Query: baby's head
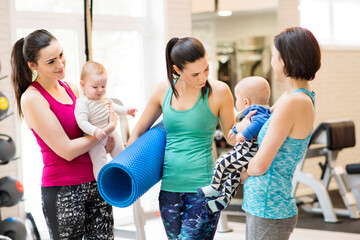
252, 90
93, 80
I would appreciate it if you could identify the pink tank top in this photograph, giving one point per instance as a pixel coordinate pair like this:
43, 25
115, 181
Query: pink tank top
58, 171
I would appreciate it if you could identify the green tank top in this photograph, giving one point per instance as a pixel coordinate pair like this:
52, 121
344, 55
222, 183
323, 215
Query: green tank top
188, 160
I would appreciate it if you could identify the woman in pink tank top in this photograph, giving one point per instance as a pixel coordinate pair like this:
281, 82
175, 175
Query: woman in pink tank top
47, 106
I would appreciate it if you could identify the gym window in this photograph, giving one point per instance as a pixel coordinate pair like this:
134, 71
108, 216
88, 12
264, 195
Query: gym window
333, 22
105, 7
120, 36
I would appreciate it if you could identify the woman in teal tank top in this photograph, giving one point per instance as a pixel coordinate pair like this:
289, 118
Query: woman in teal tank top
191, 107
271, 212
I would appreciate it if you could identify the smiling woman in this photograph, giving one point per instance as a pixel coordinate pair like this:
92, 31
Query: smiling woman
120, 41
47, 104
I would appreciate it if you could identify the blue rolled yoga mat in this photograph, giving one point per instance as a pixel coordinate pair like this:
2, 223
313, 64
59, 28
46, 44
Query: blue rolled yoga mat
135, 170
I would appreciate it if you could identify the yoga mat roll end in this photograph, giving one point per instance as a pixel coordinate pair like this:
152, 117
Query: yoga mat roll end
135, 170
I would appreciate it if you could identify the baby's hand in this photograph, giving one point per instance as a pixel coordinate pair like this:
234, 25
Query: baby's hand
110, 106
131, 111
243, 177
240, 137
231, 134
100, 134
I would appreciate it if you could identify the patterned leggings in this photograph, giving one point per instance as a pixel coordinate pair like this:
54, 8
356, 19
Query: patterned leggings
228, 167
185, 216
76, 212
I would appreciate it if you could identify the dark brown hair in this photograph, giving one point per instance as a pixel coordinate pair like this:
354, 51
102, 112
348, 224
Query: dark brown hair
179, 52
300, 53
26, 50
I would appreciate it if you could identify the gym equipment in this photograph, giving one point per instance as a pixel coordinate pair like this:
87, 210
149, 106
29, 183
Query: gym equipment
30, 223
135, 170
329, 139
4, 106
2, 237
7, 149
352, 180
11, 191
13, 228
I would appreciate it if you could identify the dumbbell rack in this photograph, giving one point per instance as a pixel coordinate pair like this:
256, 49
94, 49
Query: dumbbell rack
11, 190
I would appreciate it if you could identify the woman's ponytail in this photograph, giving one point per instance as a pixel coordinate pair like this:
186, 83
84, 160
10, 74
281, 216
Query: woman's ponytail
21, 76
169, 64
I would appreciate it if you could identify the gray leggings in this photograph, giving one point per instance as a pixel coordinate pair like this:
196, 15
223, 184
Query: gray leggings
258, 228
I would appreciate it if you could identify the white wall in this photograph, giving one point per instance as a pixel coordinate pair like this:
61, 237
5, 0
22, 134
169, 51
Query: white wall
9, 125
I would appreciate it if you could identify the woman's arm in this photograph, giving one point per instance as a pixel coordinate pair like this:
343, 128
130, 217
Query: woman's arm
286, 120
223, 99
43, 121
279, 128
152, 112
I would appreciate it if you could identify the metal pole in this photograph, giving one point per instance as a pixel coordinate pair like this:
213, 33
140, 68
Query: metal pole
88, 28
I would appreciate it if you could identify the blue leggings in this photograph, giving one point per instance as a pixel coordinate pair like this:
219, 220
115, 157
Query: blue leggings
185, 216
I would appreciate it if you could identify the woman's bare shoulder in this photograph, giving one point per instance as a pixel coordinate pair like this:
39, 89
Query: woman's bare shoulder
163, 85
33, 104
296, 105
219, 86
159, 92
298, 101
161, 88
31, 96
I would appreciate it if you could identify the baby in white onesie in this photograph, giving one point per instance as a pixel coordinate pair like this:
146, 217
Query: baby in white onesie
92, 113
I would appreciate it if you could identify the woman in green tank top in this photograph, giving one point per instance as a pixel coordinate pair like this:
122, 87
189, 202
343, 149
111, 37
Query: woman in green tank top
191, 106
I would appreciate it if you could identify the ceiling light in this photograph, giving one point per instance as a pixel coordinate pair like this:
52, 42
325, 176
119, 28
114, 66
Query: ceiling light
224, 13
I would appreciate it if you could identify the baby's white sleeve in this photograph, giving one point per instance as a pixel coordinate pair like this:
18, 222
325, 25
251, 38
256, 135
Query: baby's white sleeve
120, 110
82, 118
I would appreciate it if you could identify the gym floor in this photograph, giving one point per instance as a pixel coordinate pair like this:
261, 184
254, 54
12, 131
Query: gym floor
155, 231
310, 226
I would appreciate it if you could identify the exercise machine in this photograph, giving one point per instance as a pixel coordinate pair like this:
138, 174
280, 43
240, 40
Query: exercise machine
328, 139
352, 178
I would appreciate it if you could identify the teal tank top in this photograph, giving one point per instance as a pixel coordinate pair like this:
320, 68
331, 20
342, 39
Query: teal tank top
188, 160
269, 195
